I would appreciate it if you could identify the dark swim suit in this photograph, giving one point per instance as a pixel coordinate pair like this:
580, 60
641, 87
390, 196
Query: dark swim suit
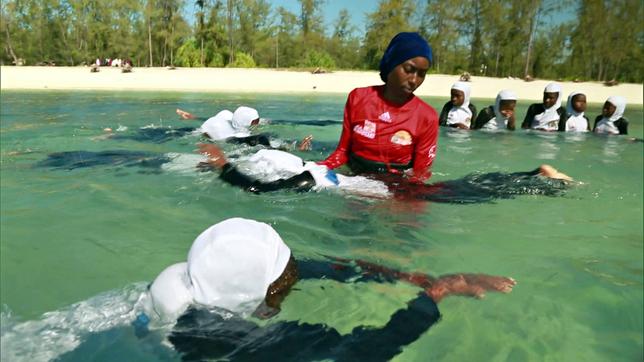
473, 188
71, 160
481, 188
162, 135
201, 335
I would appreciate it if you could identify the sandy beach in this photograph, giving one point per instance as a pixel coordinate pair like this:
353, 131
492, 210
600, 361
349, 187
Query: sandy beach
277, 81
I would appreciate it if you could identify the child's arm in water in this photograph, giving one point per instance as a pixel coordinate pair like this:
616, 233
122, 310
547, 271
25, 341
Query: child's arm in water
189, 116
343, 270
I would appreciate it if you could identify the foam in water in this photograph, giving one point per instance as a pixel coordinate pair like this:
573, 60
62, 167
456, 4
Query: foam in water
63, 330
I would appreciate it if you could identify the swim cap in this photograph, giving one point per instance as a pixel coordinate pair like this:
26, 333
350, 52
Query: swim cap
232, 264
402, 47
243, 117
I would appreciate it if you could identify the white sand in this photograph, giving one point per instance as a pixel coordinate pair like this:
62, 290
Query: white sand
278, 81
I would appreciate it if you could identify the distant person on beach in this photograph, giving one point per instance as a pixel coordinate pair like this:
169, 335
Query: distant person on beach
386, 128
474, 188
612, 120
545, 116
574, 119
500, 115
244, 267
458, 112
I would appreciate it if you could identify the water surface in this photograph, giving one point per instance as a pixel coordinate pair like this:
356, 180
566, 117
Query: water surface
68, 236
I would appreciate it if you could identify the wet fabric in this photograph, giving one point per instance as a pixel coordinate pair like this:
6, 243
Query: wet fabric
201, 334
484, 187
376, 130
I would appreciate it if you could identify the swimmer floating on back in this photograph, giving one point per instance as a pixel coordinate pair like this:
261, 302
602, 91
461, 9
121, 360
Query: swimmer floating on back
474, 188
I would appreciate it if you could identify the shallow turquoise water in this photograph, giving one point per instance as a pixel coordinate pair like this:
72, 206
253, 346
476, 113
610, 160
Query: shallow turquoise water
68, 236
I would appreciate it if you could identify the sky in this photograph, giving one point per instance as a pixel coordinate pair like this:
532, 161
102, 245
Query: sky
358, 10
330, 10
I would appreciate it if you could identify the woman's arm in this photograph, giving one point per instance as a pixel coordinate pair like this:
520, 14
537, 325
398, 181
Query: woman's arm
341, 154
425, 151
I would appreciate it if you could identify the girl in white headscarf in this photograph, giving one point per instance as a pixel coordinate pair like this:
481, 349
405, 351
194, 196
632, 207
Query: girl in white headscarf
612, 120
458, 112
545, 116
236, 128
500, 115
242, 265
574, 120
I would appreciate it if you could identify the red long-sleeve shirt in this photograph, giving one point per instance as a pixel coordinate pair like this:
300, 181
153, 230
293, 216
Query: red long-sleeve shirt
377, 130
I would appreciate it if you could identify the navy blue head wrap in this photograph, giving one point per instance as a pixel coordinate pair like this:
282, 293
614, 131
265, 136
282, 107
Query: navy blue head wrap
402, 47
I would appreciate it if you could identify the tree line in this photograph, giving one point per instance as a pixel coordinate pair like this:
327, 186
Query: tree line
597, 40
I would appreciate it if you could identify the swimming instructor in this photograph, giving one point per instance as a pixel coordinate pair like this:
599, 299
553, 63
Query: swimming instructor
386, 128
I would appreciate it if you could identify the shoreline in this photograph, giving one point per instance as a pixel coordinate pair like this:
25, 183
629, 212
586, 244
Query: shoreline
259, 80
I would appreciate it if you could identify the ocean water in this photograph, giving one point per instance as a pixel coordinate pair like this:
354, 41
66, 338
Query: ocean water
78, 246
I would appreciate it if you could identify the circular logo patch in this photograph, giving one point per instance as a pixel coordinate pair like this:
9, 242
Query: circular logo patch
402, 138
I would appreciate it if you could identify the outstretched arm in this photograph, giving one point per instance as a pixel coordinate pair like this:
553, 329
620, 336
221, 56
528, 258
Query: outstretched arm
188, 116
464, 284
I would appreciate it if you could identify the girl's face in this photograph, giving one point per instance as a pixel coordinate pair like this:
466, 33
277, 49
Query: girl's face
458, 97
506, 108
549, 98
403, 80
579, 103
608, 109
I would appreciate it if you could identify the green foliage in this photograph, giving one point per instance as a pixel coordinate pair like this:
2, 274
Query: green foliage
216, 60
605, 40
188, 55
242, 60
315, 59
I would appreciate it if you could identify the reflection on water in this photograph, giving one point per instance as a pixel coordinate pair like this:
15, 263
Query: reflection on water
612, 149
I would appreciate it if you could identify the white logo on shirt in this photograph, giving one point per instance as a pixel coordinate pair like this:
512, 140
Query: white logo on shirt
432, 152
368, 130
385, 117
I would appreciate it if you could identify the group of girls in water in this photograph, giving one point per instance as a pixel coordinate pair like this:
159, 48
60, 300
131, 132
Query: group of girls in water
548, 116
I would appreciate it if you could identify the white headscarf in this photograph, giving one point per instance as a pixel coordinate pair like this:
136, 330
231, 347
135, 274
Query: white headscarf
230, 265
500, 121
461, 114
607, 125
549, 119
219, 127
269, 165
576, 121
243, 117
